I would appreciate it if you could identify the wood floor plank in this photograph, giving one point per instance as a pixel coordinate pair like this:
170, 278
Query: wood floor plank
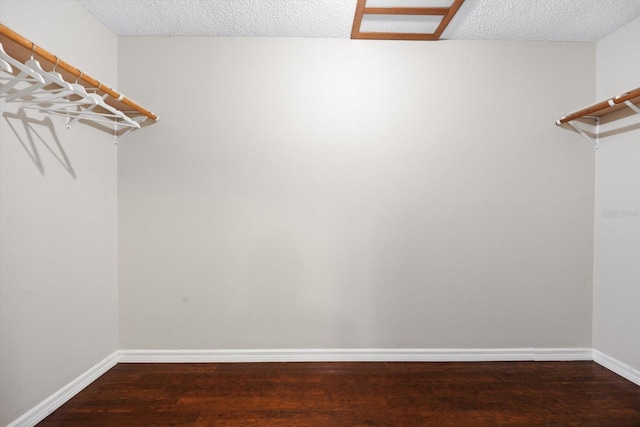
355, 394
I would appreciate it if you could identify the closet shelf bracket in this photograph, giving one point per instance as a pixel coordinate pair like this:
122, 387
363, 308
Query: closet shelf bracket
593, 140
119, 137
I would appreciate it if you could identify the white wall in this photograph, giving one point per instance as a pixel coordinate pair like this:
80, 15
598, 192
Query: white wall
306, 193
58, 222
616, 321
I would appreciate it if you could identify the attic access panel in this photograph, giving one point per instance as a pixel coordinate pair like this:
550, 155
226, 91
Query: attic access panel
403, 19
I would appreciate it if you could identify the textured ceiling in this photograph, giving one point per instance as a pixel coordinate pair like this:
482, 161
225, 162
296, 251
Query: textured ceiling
552, 20
548, 20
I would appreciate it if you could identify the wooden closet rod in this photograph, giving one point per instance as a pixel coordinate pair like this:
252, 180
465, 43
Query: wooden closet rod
27, 44
600, 106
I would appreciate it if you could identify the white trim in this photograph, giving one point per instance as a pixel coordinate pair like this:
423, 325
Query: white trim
563, 354
614, 365
59, 398
354, 355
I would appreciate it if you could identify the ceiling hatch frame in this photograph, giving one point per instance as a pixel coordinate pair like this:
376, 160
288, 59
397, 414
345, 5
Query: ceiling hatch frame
447, 14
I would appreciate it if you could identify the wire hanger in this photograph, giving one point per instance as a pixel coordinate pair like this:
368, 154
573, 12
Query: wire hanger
49, 79
4, 65
67, 98
26, 74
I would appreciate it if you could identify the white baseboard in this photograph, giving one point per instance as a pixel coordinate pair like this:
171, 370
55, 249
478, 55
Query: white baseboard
354, 355
562, 354
41, 411
614, 365
59, 398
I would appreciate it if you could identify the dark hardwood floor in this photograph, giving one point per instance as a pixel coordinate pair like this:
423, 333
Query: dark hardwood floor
355, 394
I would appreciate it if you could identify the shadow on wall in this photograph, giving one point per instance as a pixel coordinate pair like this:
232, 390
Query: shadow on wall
42, 131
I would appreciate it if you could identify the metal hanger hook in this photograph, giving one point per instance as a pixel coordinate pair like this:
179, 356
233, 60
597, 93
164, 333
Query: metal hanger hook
56, 64
33, 49
79, 77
